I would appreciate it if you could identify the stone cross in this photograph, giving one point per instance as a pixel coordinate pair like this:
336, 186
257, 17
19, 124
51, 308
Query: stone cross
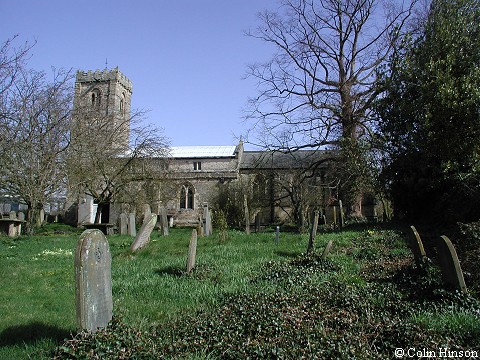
143, 236
123, 224
93, 281
132, 230
417, 248
192, 252
327, 249
451, 271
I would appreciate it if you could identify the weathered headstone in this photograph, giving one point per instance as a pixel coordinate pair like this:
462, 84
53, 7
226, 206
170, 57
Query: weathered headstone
147, 211
313, 232
208, 223
132, 229
277, 235
247, 215
13, 215
163, 221
143, 236
342, 221
334, 217
418, 251
123, 224
93, 281
327, 249
451, 271
192, 252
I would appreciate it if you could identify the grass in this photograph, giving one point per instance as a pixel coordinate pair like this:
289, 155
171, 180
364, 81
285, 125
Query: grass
245, 287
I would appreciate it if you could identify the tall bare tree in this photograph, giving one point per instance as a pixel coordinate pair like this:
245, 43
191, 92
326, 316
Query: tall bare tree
318, 88
35, 126
112, 159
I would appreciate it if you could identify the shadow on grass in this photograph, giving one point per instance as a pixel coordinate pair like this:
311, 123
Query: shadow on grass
30, 333
171, 270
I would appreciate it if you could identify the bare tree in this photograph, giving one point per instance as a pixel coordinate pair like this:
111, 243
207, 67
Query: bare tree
113, 159
318, 89
35, 135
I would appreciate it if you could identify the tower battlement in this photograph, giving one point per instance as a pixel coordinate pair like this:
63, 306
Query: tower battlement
105, 75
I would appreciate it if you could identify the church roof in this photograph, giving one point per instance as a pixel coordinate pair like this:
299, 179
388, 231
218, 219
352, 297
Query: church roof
278, 160
202, 151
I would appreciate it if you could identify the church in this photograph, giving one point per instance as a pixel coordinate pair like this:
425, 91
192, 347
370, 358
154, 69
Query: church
276, 187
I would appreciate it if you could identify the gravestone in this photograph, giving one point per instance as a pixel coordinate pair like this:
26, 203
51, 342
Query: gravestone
21, 216
123, 224
451, 271
192, 252
163, 221
313, 232
147, 211
418, 251
334, 217
208, 223
143, 236
327, 249
12, 215
93, 281
132, 230
277, 235
342, 221
247, 215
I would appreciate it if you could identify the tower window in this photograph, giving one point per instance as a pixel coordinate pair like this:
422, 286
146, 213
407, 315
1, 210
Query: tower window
96, 98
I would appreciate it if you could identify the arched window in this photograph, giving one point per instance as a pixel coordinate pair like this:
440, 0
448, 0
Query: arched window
96, 98
122, 105
186, 197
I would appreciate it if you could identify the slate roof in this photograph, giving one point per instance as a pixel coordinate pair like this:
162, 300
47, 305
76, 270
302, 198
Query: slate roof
277, 160
202, 151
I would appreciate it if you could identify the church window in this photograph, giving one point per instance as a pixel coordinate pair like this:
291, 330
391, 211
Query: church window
186, 197
96, 98
197, 165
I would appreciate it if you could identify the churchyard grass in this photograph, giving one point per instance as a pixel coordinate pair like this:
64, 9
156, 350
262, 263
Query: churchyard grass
365, 292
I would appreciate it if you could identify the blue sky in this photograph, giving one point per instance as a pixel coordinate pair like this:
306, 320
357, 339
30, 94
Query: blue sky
186, 58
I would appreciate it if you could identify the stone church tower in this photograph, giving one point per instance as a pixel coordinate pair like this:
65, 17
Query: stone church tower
103, 96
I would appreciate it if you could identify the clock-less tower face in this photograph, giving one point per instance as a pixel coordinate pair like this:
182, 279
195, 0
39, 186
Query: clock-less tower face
104, 96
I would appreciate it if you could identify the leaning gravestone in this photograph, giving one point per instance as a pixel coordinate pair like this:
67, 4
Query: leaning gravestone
327, 249
93, 281
132, 229
451, 271
192, 252
417, 248
123, 224
143, 236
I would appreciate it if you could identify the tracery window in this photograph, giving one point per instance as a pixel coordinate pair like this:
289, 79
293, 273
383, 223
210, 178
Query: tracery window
186, 197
